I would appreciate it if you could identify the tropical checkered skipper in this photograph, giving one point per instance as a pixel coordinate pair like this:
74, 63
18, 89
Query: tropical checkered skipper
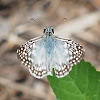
46, 52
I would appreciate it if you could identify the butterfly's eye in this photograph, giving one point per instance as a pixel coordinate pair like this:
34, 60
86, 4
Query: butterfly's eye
53, 31
44, 30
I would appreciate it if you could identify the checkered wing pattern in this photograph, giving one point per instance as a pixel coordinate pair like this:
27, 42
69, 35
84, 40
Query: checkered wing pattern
29, 54
71, 55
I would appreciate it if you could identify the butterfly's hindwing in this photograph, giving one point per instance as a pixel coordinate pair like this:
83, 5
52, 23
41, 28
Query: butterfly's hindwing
65, 69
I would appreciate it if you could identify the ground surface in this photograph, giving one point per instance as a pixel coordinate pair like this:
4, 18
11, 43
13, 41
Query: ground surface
16, 28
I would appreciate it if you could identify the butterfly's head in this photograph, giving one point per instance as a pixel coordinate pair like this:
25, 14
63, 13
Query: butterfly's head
48, 30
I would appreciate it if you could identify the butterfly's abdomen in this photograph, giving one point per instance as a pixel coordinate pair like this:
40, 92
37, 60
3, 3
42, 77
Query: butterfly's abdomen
49, 45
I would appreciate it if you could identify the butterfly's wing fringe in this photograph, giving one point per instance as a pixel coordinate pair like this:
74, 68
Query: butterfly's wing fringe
39, 74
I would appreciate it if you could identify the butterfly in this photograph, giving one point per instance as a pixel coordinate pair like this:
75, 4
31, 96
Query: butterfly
43, 53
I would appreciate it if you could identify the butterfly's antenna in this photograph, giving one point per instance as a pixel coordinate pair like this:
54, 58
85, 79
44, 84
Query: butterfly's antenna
60, 22
36, 22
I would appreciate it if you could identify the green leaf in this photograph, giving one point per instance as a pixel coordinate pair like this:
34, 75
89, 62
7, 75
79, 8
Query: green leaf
82, 83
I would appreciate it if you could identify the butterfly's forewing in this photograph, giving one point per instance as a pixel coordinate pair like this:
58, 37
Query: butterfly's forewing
30, 54
72, 54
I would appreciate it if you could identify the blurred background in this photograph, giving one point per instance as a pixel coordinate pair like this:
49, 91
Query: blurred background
82, 25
